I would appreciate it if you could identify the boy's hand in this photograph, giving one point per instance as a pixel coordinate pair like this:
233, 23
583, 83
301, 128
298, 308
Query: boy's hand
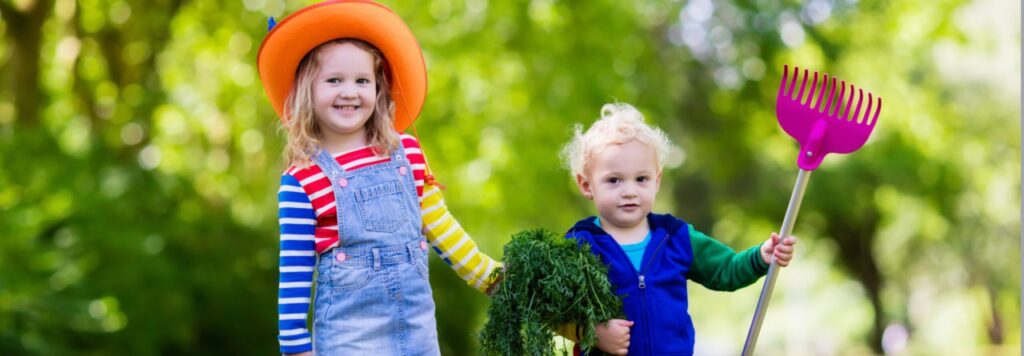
613, 336
783, 252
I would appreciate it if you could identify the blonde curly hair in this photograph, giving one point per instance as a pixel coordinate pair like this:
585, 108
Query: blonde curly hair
619, 124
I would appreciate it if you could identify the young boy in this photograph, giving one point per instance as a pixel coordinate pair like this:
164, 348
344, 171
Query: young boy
617, 164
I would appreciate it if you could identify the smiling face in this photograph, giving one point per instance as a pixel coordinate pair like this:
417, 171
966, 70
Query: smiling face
622, 180
344, 95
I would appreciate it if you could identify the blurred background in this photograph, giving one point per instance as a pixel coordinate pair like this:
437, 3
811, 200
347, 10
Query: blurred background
139, 163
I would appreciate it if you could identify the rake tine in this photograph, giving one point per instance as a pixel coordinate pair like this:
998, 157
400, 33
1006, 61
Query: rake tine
831, 92
785, 77
832, 95
821, 93
878, 110
803, 85
849, 103
810, 96
867, 113
839, 100
792, 83
860, 101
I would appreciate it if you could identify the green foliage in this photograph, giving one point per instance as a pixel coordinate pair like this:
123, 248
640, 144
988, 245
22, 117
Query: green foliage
139, 160
548, 281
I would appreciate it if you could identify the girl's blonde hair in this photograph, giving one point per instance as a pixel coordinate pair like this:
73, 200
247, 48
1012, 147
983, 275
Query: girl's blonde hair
619, 123
300, 117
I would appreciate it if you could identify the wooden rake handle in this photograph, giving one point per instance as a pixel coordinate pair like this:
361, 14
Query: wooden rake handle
773, 269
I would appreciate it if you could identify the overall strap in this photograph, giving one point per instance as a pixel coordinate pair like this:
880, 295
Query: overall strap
399, 153
327, 162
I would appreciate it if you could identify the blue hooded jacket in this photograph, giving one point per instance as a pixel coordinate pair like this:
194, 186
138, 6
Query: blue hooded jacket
655, 297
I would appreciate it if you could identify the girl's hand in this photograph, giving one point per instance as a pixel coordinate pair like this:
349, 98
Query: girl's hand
613, 336
307, 353
783, 252
493, 288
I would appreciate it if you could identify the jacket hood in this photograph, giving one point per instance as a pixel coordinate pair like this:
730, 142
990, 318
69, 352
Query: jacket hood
654, 221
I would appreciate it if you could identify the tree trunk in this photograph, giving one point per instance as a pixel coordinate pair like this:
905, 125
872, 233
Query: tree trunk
25, 33
995, 325
856, 243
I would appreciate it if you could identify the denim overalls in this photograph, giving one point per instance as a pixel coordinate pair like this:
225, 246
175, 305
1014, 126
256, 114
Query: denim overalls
373, 296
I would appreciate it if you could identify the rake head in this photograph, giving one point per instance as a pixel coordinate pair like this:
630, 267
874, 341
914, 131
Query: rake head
823, 129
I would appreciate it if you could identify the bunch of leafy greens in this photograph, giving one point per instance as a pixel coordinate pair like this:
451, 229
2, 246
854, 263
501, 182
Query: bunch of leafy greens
548, 281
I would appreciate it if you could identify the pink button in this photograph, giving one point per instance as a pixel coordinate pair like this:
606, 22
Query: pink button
340, 257
423, 245
402, 170
343, 182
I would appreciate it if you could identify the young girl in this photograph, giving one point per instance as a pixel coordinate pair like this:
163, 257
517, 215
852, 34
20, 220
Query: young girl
617, 164
346, 77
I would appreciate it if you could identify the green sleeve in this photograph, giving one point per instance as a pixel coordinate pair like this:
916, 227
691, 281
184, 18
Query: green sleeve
718, 267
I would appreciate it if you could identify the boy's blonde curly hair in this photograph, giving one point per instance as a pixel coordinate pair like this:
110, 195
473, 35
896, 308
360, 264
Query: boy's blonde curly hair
619, 123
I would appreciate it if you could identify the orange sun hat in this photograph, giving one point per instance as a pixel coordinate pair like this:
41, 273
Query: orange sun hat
293, 37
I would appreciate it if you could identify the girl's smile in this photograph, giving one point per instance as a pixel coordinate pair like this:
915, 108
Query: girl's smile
346, 108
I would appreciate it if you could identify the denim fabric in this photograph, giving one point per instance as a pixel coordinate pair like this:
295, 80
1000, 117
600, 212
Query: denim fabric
373, 293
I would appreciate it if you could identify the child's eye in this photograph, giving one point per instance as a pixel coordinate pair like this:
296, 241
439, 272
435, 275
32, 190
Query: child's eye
614, 180
362, 81
642, 179
333, 80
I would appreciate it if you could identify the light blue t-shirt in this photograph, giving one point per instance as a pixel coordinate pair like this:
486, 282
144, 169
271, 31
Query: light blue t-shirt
635, 252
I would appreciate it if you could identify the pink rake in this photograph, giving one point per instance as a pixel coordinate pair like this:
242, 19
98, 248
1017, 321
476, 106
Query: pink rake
820, 130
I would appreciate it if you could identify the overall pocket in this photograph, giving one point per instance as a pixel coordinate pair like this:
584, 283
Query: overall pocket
383, 207
341, 277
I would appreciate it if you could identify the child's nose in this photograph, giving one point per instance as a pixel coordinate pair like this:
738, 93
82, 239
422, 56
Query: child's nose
347, 91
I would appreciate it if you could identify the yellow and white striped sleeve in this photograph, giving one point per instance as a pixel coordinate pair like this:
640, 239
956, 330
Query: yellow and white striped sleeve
454, 245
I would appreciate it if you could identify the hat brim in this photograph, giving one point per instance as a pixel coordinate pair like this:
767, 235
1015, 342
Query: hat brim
293, 37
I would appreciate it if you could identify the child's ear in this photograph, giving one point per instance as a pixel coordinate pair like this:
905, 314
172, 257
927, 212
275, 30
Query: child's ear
584, 186
657, 182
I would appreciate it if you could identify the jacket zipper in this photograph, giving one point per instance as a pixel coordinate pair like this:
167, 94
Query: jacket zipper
654, 255
643, 290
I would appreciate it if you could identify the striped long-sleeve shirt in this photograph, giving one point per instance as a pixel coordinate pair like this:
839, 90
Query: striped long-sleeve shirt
309, 226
